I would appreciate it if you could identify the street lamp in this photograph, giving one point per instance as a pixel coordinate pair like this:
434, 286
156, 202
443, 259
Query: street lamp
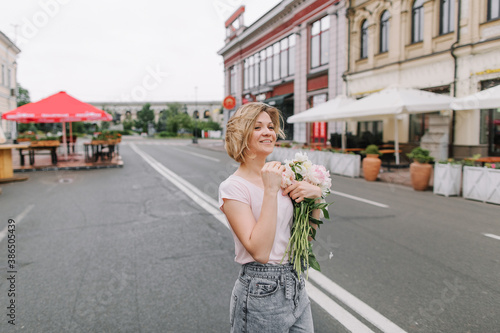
196, 115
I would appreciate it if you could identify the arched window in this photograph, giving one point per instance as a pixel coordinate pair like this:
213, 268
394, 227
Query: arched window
493, 9
384, 31
417, 22
446, 19
364, 40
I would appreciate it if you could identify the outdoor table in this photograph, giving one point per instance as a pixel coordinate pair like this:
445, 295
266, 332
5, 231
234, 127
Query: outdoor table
354, 150
94, 150
6, 170
31, 153
489, 159
388, 153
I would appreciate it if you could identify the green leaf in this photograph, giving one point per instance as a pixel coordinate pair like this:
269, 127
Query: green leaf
315, 221
313, 233
326, 213
313, 263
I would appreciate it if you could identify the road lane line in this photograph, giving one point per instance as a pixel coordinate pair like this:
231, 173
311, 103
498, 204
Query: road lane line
18, 219
336, 311
354, 303
492, 236
198, 155
374, 203
194, 193
212, 206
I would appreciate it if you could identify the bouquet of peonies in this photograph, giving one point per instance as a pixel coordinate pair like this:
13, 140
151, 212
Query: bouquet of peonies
299, 249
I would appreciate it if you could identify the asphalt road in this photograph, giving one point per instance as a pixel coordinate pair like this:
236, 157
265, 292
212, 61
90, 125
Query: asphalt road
126, 250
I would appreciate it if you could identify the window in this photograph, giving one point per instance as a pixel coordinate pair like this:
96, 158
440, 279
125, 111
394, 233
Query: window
256, 58
447, 11
291, 59
493, 9
3, 75
262, 67
364, 40
320, 42
276, 61
284, 57
417, 23
384, 31
269, 65
245, 74
9, 76
250, 73
370, 133
232, 80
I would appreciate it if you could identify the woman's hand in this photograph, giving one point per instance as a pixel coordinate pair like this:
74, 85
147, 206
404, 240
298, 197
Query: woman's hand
271, 175
298, 191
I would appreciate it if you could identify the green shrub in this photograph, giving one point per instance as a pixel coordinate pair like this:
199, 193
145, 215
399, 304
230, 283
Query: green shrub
420, 155
166, 134
371, 149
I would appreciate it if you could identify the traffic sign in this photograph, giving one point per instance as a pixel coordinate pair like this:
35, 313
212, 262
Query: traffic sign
229, 102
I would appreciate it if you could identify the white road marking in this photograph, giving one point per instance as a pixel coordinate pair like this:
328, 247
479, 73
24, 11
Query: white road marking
374, 203
198, 155
354, 303
18, 219
336, 311
332, 308
492, 236
199, 197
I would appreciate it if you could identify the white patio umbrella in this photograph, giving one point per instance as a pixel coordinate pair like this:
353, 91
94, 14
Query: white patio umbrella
392, 102
486, 99
322, 112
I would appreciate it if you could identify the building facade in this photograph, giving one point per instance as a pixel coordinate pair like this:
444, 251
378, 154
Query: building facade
302, 53
445, 46
205, 109
293, 57
8, 80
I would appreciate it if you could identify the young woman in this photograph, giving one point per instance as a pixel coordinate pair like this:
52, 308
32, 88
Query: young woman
267, 296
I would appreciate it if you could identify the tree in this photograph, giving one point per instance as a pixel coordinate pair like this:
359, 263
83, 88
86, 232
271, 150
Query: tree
144, 117
23, 96
178, 122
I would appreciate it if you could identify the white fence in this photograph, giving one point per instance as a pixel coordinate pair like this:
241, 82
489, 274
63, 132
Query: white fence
340, 164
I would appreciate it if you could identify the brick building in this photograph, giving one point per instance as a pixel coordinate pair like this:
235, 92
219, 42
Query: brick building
293, 57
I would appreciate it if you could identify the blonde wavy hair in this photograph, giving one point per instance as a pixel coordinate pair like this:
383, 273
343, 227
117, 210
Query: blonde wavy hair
240, 127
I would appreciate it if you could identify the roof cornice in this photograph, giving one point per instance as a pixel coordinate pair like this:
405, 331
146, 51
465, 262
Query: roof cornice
10, 43
264, 19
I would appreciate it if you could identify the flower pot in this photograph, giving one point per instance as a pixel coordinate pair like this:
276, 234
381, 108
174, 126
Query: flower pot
420, 175
371, 167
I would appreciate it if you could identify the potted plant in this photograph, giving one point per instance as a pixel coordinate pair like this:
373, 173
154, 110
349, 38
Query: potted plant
481, 183
420, 169
371, 163
447, 177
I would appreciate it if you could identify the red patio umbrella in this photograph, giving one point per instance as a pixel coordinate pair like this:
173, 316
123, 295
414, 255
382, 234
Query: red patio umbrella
58, 108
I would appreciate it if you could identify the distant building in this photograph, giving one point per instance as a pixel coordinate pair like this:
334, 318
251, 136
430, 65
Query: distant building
8, 81
292, 57
212, 109
445, 46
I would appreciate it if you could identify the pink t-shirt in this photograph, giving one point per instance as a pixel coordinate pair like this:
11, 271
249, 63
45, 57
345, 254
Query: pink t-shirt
240, 189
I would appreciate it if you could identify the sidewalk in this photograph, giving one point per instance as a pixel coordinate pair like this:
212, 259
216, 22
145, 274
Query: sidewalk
394, 176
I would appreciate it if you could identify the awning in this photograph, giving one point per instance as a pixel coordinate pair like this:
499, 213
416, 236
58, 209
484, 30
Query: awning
485, 99
322, 112
277, 100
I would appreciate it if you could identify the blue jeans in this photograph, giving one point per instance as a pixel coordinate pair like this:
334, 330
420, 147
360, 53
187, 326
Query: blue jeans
270, 298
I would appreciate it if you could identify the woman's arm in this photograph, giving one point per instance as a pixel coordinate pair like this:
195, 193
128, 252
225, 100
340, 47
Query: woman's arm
258, 236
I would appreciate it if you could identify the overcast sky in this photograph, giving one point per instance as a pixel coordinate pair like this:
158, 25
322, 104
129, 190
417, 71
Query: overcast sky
122, 50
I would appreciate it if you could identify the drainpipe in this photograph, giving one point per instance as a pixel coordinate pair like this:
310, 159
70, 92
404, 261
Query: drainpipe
455, 79
344, 76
